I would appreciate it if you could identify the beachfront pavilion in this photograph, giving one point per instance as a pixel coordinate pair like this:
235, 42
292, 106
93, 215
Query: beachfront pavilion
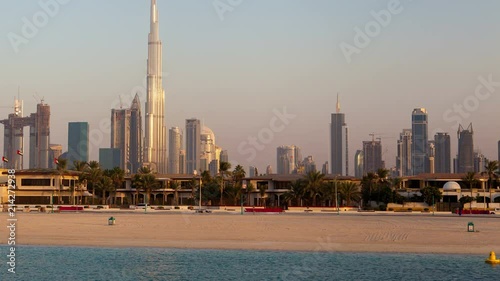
276, 185
44, 187
479, 189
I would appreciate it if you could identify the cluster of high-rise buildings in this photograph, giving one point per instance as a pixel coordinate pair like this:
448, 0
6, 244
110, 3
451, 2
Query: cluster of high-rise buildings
130, 150
195, 149
416, 152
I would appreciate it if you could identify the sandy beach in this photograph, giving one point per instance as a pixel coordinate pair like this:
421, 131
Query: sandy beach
295, 232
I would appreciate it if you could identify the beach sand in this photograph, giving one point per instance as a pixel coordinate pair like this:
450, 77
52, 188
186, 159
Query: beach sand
289, 232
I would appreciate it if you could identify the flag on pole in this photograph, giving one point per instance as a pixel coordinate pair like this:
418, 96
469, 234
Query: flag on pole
20, 152
4, 159
56, 161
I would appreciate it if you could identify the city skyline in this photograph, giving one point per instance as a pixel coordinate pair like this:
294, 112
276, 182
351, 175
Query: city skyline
311, 100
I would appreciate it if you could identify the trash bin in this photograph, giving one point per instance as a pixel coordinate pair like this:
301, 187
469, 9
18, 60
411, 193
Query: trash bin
111, 221
470, 227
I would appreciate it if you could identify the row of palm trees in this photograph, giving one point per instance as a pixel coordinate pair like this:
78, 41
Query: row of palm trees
491, 170
99, 181
314, 190
227, 187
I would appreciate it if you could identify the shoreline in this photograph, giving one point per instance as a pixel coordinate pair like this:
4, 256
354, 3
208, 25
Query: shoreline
353, 233
251, 250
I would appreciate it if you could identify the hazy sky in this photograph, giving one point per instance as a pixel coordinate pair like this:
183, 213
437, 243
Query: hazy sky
232, 70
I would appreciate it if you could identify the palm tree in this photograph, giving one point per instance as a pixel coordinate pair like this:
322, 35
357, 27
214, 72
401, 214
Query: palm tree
349, 191
224, 168
262, 192
368, 184
93, 176
117, 176
149, 184
175, 186
61, 166
296, 192
145, 170
327, 192
470, 180
79, 166
250, 188
104, 184
490, 169
314, 181
137, 184
238, 174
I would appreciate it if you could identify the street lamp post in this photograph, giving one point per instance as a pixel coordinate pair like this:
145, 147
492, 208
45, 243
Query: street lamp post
337, 197
243, 188
199, 203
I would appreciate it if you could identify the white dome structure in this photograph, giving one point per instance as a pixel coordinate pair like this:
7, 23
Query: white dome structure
451, 186
207, 133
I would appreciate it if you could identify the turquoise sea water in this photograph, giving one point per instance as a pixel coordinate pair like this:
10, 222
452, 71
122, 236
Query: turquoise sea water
73, 263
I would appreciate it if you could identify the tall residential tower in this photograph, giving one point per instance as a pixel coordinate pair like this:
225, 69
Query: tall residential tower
443, 153
193, 145
339, 150
403, 159
419, 141
126, 135
174, 150
465, 159
155, 144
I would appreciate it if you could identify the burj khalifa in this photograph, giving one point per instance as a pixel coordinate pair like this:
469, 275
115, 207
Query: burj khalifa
155, 143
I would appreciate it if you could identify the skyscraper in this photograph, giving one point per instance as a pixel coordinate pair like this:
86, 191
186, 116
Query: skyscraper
358, 164
326, 168
339, 137
120, 138
224, 156
465, 159
193, 145
479, 162
110, 158
431, 157
442, 161
126, 135
40, 137
54, 153
419, 146
403, 159
155, 145
309, 165
498, 151
252, 171
208, 151
269, 170
174, 150
39, 140
136, 138
372, 153
285, 159
78, 142
182, 162
213, 167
